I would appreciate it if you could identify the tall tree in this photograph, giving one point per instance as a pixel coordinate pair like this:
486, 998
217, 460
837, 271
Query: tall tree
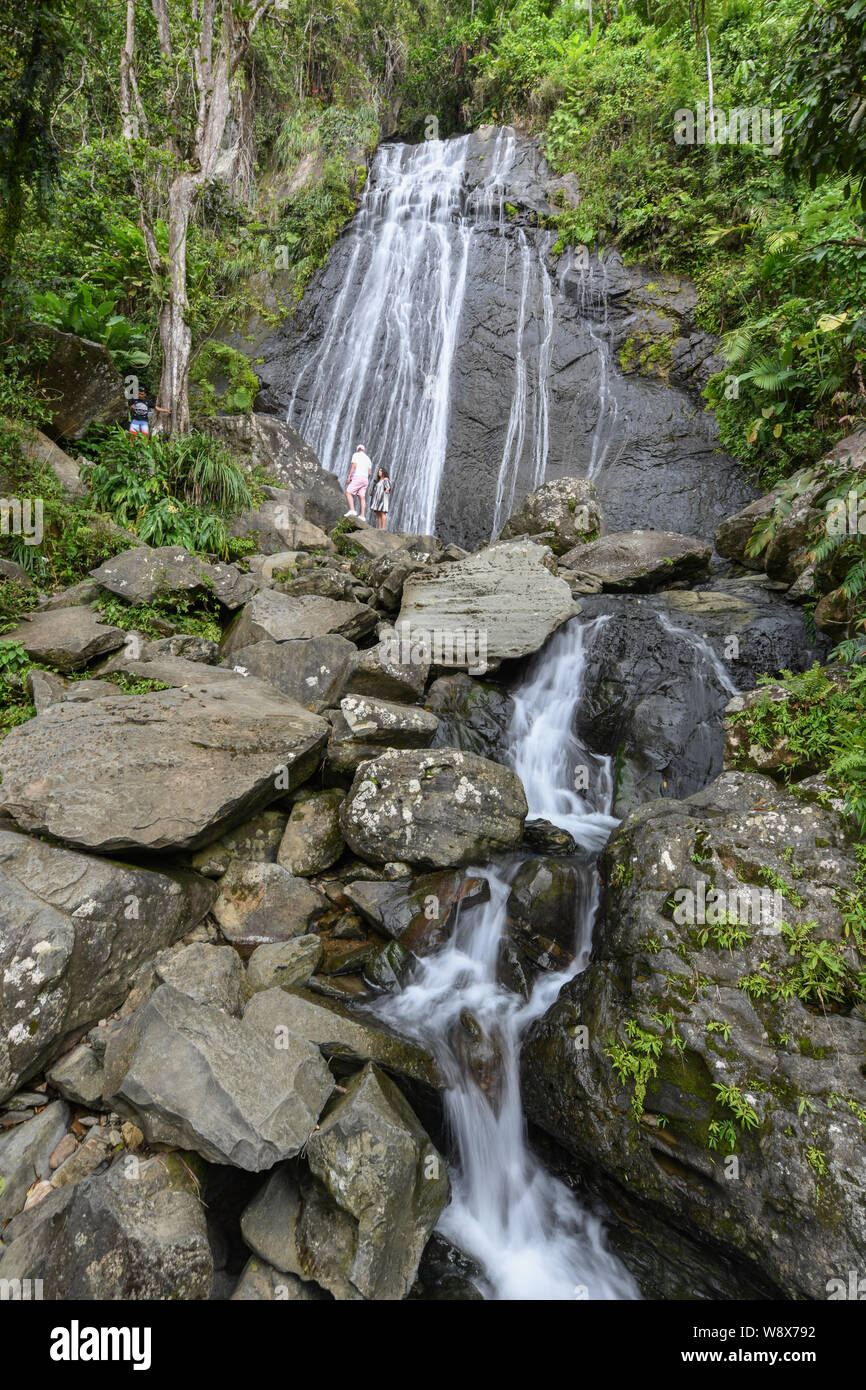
202, 45
34, 43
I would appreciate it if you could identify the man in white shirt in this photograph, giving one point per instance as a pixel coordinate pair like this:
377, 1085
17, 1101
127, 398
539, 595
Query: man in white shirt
358, 481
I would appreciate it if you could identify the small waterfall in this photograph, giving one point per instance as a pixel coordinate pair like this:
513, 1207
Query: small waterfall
608, 409
531, 1237
382, 370
704, 653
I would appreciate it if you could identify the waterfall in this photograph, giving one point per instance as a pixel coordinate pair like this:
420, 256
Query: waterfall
531, 1237
704, 653
383, 367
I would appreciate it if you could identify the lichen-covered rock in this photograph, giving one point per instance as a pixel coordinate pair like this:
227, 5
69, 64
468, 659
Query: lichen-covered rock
112, 1238
566, 511
73, 930
439, 808
709, 1060
364, 726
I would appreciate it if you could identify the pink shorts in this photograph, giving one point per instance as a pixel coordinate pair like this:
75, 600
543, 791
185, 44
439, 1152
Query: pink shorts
358, 486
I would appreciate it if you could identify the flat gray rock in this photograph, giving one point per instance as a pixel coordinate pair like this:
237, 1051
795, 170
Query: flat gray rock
68, 638
171, 769
639, 560
139, 575
496, 605
283, 964
310, 670
206, 974
284, 618
192, 1077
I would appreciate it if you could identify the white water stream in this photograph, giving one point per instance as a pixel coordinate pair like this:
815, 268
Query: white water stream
525, 1228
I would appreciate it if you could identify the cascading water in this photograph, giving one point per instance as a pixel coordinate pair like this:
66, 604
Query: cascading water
382, 373
704, 653
526, 1230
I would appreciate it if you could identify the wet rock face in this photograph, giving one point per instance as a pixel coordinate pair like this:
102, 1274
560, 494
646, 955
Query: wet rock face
653, 455
702, 895
663, 668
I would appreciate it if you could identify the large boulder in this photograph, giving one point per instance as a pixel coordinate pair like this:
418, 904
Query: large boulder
191, 1076
282, 618
342, 1035
375, 1161
438, 808
68, 638
357, 1224
268, 442
171, 769
277, 526
139, 575
38, 448
639, 560
709, 1062
499, 603
310, 670
363, 726
77, 381
115, 1237
566, 511
73, 930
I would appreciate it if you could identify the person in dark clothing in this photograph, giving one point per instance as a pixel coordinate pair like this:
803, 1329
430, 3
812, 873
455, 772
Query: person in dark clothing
139, 413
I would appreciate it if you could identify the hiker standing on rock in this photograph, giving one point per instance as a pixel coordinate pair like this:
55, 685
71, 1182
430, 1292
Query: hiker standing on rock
358, 480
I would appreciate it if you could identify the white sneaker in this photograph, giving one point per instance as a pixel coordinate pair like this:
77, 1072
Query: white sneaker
350, 512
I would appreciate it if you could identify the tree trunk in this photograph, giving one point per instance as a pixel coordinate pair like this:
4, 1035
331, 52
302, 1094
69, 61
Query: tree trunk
174, 330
